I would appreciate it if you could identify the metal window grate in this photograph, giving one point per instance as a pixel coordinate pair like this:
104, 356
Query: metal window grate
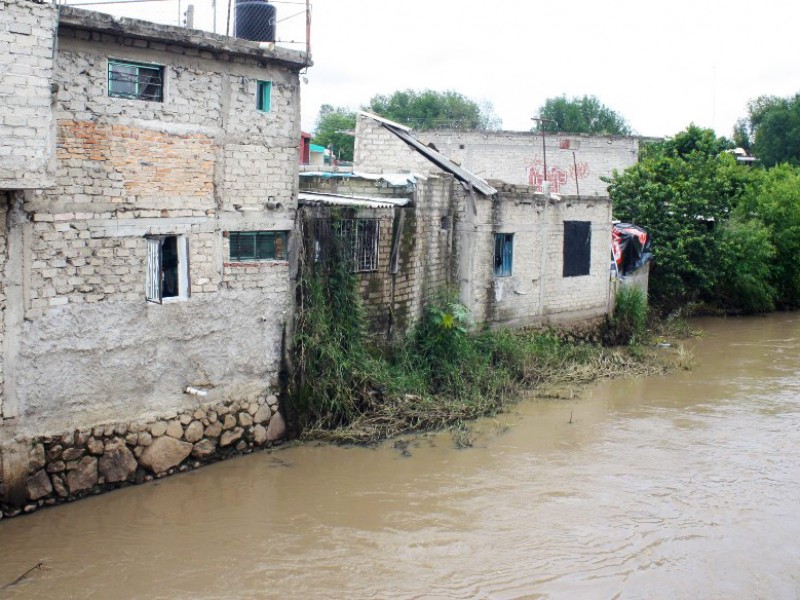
257, 245
136, 81
360, 241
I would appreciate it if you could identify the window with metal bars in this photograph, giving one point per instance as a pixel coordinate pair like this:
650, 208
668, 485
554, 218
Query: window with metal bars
503, 254
360, 242
251, 246
137, 81
577, 248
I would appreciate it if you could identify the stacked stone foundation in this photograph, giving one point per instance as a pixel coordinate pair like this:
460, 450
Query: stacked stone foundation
87, 461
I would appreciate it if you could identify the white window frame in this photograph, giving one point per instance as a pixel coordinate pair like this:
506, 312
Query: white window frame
154, 274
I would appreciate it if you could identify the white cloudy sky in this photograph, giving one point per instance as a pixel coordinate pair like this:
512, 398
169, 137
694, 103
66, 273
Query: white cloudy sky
661, 65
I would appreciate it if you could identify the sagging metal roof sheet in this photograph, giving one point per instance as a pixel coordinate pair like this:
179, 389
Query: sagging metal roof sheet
346, 200
440, 160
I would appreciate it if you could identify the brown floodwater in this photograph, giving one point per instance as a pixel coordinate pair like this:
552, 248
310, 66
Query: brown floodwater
680, 486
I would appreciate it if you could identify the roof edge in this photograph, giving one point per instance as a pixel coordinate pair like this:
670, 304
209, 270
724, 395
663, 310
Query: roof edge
90, 20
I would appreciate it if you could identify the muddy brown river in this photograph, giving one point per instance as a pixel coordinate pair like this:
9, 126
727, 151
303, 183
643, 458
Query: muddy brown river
681, 486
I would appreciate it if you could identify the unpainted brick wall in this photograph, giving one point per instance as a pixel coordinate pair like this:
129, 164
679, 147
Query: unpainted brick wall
128, 168
26, 117
536, 292
510, 156
4, 203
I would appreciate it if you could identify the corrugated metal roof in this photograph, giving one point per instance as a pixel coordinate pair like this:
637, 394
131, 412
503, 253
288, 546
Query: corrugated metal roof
440, 160
346, 200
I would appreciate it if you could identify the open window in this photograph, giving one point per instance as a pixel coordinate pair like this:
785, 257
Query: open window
577, 248
167, 268
503, 254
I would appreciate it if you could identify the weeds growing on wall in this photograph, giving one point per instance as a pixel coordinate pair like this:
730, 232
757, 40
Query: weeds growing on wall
442, 374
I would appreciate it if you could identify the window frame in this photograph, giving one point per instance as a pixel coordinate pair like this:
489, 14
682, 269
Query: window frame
361, 237
154, 272
577, 265
137, 94
235, 237
264, 96
503, 254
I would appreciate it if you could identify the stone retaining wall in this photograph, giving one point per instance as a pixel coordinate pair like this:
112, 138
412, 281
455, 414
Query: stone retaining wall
74, 464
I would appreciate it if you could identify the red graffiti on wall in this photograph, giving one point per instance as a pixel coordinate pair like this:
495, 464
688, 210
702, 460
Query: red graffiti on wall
556, 176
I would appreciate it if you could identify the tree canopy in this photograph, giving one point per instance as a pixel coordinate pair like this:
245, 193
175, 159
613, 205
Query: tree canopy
581, 115
682, 191
334, 130
772, 128
429, 109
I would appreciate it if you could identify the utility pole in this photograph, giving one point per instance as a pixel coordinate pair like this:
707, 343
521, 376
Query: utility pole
544, 150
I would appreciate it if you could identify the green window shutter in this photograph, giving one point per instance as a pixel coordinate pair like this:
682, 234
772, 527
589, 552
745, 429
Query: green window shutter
264, 96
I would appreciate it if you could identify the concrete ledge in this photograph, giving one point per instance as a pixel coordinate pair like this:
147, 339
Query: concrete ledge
90, 20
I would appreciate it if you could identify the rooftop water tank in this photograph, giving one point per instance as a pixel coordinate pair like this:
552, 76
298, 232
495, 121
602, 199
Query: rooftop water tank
255, 20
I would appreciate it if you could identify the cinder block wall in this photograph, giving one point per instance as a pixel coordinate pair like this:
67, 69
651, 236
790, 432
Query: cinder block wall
394, 303
536, 292
510, 156
201, 163
27, 150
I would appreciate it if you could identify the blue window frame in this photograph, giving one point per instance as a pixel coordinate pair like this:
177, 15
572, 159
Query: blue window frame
136, 81
503, 254
264, 96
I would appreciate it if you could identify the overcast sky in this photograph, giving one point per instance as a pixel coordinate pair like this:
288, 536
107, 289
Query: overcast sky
661, 65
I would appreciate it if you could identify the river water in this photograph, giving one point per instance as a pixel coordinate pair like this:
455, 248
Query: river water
680, 486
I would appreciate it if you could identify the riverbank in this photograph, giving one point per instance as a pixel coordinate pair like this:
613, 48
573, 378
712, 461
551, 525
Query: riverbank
487, 373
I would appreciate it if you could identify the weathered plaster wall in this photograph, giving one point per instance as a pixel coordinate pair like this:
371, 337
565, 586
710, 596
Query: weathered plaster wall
27, 151
513, 157
90, 346
536, 292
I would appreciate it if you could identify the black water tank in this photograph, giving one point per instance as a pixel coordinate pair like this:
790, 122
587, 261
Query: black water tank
255, 20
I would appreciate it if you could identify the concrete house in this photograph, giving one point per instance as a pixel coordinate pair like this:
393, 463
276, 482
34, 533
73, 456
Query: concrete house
148, 188
516, 256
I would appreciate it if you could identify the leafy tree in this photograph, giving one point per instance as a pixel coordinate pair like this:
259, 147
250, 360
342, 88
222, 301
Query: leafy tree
682, 191
775, 200
581, 115
435, 110
774, 125
335, 127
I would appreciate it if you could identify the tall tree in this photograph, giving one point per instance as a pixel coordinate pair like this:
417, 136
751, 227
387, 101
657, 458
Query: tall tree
435, 110
775, 129
581, 115
683, 192
334, 130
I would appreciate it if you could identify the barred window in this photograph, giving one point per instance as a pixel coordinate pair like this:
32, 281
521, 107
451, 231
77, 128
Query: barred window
247, 246
360, 240
136, 81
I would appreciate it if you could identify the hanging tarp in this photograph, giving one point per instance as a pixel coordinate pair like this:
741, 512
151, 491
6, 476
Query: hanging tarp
630, 247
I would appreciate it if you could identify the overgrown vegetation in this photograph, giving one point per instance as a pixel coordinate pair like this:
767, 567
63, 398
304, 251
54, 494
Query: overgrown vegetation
628, 323
443, 373
724, 236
